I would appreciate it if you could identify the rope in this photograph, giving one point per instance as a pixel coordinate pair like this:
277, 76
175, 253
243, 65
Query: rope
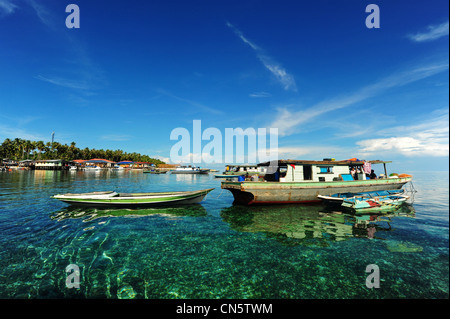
220, 193
412, 190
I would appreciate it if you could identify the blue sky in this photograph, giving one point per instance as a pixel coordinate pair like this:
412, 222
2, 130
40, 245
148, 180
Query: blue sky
136, 70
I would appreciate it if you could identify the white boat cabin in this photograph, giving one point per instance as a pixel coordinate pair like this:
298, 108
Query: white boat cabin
245, 168
188, 168
321, 171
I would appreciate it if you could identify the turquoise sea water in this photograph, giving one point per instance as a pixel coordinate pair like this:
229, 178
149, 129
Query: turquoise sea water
214, 250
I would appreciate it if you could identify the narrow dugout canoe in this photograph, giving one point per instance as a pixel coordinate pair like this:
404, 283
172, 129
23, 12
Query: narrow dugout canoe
111, 199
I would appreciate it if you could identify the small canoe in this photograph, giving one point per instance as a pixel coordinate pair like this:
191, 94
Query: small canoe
111, 199
338, 199
155, 172
199, 171
366, 201
387, 203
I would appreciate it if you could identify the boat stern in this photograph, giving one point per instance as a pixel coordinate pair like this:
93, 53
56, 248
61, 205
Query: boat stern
238, 191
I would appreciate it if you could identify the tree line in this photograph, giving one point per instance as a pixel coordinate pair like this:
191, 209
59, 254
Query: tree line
21, 149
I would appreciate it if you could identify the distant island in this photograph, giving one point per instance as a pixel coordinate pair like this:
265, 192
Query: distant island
21, 149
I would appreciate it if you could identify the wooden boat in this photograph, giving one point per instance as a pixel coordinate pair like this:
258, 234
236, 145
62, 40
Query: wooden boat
366, 205
366, 202
363, 202
226, 176
154, 172
111, 198
336, 200
189, 170
244, 169
301, 181
92, 168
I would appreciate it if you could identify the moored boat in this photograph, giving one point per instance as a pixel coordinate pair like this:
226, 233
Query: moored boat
154, 172
366, 202
244, 169
337, 199
92, 168
300, 181
189, 170
111, 198
370, 205
226, 176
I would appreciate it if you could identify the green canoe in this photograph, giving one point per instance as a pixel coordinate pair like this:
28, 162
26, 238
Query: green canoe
110, 199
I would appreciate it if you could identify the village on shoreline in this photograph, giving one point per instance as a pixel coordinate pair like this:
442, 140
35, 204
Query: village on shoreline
21, 154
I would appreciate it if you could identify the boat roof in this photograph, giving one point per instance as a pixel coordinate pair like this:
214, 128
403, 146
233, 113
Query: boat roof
49, 161
98, 160
242, 165
311, 162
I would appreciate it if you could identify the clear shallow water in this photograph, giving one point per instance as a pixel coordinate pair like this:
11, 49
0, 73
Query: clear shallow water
214, 250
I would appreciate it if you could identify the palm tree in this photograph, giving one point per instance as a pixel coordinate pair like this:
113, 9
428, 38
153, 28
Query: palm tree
8, 148
40, 146
15, 149
48, 151
18, 144
27, 147
33, 148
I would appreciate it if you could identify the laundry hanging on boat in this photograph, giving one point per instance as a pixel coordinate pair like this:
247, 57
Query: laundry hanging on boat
367, 167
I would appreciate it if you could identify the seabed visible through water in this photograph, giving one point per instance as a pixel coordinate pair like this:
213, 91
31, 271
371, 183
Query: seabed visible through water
214, 250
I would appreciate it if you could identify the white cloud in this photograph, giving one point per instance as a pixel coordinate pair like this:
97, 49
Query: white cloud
312, 152
429, 138
7, 7
409, 146
161, 158
286, 79
433, 32
12, 133
288, 122
116, 137
195, 104
259, 94
193, 159
42, 12
63, 82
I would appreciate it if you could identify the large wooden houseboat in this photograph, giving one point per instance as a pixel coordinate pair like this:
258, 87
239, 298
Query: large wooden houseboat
301, 181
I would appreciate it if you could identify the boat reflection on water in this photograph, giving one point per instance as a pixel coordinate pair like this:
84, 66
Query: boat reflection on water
88, 214
310, 224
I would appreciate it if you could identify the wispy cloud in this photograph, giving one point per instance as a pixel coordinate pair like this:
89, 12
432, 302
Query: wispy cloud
16, 127
286, 79
7, 7
433, 32
42, 12
20, 120
288, 122
63, 82
312, 152
7, 131
115, 137
197, 105
83, 74
259, 94
427, 138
